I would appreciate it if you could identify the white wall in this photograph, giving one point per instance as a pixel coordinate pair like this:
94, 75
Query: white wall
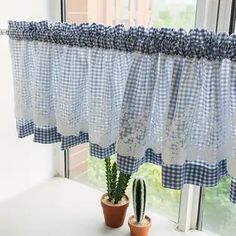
22, 162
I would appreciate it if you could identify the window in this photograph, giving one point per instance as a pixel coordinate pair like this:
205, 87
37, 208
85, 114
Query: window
158, 13
213, 212
219, 214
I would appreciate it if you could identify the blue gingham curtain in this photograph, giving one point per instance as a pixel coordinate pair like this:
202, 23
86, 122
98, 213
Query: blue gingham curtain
162, 96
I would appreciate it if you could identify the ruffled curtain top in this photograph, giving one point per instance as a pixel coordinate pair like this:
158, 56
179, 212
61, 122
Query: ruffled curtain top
198, 43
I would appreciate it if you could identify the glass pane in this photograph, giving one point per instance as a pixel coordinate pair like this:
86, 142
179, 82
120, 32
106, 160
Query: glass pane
219, 212
158, 13
174, 13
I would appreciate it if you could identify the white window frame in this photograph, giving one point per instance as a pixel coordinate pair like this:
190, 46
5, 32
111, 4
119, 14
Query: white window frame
213, 15
190, 208
224, 18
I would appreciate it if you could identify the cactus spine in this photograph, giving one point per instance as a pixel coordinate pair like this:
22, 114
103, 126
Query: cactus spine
139, 199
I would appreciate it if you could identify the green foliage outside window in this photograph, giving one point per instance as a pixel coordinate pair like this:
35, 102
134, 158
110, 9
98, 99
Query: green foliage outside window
175, 17
219, 212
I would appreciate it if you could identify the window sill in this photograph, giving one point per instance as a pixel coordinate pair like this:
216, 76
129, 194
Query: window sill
64, 207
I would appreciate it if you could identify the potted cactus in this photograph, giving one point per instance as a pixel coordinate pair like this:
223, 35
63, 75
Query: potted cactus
139, 223
115, 202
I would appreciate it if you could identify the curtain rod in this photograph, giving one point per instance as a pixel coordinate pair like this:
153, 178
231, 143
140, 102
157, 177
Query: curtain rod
3, 31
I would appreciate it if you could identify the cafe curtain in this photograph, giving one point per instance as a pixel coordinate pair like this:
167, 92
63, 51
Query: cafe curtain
163, 96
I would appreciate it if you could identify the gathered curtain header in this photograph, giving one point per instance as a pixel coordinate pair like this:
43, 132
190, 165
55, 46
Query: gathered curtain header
198, 43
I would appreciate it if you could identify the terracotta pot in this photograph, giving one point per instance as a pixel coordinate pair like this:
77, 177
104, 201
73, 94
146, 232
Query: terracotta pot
137, 229
114, 215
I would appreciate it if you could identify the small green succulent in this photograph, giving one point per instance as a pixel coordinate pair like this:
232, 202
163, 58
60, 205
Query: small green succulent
116, 182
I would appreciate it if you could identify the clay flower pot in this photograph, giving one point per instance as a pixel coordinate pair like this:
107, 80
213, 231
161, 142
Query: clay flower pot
139, 229
114, 214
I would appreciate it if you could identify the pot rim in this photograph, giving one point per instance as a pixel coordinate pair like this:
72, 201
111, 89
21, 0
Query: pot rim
114, 205
138, 225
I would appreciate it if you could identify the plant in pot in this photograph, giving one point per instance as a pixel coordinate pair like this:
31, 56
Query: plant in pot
139, 223
115, 202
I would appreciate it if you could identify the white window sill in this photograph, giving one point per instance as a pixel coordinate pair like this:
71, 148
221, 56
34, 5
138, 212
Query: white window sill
64, 207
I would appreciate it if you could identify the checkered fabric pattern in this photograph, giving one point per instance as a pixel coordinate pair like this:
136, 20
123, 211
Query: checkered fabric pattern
130, 165
193, 172
97, 151
71, 141
195, 43
173, 176
45, 135
48, 135
129, 92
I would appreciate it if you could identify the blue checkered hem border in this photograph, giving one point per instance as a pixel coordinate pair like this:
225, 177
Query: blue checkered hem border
48, 135
173, 176
195, 43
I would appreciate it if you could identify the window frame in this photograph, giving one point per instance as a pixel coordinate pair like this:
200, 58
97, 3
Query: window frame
213, 15
232, 23
217, 16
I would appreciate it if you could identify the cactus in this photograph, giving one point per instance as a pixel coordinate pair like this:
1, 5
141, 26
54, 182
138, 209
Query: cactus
139, 199
108, 176
121, 186
115, 189
113, 180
